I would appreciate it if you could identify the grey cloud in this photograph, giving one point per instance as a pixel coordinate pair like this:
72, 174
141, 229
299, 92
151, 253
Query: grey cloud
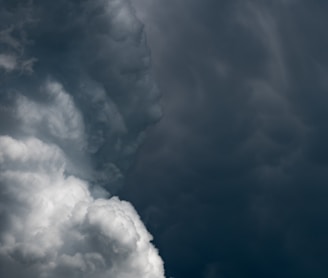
97, 52
8, 62
240, 153
77, 94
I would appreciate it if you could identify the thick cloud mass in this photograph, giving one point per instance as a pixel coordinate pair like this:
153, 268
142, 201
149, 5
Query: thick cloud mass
53, 227
95, 51
76, 96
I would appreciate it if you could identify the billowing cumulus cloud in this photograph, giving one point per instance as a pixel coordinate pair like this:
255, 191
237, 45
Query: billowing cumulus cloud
76, 96
53, 227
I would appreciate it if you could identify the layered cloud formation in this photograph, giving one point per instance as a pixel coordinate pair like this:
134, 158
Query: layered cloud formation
76, 96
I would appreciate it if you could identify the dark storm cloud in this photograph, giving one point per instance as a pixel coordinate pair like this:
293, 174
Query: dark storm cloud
239, 161
102, 61
76, 96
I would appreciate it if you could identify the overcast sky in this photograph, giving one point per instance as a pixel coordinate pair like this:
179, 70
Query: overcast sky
163, 138
232, 182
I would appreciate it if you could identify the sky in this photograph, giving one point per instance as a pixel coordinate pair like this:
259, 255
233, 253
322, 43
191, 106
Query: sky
152, 138
232, 182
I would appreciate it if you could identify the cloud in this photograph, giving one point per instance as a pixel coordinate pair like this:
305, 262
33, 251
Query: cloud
95, 61
77, 95
8, 62
59, 118
52, 224
240, 154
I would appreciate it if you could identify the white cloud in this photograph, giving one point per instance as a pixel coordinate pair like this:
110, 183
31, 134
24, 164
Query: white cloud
57, 227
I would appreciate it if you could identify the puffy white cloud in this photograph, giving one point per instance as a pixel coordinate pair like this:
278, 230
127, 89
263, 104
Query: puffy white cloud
55, 226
